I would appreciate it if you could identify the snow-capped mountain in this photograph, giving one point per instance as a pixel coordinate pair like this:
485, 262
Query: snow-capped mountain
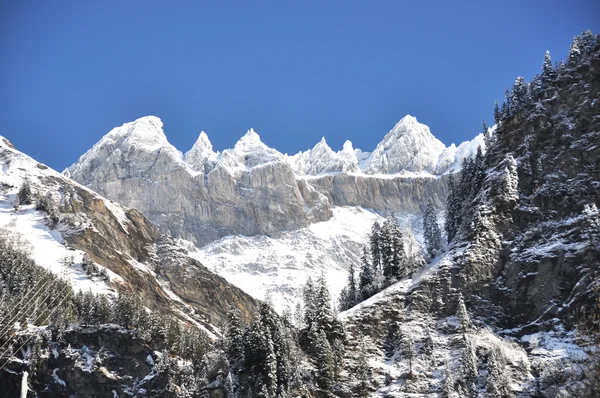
210, 198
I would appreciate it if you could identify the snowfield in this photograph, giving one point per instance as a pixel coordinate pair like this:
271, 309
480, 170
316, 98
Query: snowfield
276, 268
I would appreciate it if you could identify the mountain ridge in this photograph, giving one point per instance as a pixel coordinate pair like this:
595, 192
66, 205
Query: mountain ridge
419, 149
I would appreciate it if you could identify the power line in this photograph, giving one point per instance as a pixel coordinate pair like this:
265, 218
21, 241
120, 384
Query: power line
33, 335
42, 280
2, 353
26, 308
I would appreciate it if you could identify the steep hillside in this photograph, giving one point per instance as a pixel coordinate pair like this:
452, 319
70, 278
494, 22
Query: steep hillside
59, 218
525, 255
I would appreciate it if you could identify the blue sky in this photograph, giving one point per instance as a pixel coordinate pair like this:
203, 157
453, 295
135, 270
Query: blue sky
294, 71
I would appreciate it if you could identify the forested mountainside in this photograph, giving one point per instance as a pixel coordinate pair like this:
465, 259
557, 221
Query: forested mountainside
506, 309
509, 307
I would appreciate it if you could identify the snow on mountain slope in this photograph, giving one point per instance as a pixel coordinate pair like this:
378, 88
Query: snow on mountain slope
277, 267
76, 220
28, 225
47, 246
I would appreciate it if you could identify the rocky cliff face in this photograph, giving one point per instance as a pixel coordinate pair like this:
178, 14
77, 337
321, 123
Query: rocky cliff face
255, 190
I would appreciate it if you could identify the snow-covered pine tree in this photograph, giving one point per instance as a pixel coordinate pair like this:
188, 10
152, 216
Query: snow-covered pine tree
520, 94
587, 42
507, 108
431, 231
479, 170
235, 340
375, 246
497, 383
575, 51
548, 72
338, 350
324, 362
497, 114
270, 363
352, 291
308, 295
463, 315
366, 278
399, 266
298, 316
487, 137
348, 296
451, 221
363, 370
386, 251
323, 313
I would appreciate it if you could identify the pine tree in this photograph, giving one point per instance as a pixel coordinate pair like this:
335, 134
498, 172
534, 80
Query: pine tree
507, 106
375, 245
487, 137
323, 313
298, 316
324, 362
348, 296
519, 94
366, 278
338, 357
308, 294
451, 221
431, 231
352, 291
463, 315
497, 383
497, 114
270, 365
479, 174
363, 370
399, 268
587, 42
235, 340
392, 251
575, 51
548, 73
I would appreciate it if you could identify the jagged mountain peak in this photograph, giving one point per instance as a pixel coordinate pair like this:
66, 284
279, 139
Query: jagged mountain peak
129, 151
409, 146
201, 157
146, 131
